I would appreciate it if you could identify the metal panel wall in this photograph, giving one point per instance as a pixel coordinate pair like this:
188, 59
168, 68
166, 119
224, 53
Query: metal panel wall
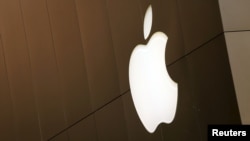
64, 68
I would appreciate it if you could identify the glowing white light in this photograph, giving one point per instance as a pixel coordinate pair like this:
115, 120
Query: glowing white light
153, 91
147, 22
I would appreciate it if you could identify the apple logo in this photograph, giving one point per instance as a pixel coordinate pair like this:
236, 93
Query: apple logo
154, 93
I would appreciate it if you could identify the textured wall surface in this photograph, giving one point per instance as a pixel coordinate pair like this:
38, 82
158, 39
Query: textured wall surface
64, 69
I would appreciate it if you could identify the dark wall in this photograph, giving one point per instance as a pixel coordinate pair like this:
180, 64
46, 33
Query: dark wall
64, 69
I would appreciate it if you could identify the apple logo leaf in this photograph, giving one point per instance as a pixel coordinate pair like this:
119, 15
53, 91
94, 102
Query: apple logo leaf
147, 22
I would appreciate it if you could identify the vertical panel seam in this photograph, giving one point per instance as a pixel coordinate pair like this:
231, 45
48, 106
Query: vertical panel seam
113, 45
8, 81
84, 64
57, 67
31, 75
84, 56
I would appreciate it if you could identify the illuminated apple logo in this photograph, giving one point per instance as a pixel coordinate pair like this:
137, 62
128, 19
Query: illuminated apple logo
153, 91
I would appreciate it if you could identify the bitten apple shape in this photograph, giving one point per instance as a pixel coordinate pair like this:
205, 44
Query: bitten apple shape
154, 93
